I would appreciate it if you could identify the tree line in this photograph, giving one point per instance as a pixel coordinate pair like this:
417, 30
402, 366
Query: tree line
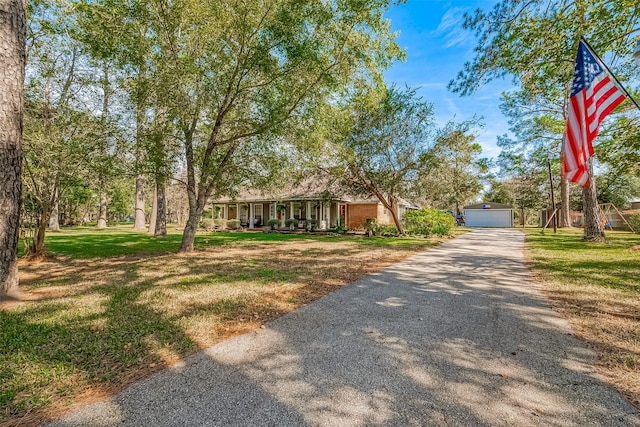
121, 96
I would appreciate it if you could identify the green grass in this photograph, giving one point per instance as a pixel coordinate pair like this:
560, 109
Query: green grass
103, 318
90, 242
596, 286
566, 257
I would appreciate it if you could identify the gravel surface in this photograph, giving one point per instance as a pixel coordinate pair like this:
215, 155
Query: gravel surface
458, 335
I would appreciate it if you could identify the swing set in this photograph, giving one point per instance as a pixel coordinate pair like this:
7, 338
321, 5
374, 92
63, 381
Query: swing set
606, 217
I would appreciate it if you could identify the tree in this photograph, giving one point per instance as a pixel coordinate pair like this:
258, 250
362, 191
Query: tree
535, 42
60, 133
12, 58
264, 65
380, 144
452, 173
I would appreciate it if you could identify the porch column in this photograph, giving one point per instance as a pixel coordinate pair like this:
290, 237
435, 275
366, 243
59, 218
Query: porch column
283, 215
291, 209
322, 223
308, 212
226, 211
328, 214
251, 215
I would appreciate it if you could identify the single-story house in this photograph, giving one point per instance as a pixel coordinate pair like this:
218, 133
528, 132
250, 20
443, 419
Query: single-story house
488, 214
307, 201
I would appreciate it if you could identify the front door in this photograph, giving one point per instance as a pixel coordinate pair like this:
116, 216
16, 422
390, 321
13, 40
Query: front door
257, 215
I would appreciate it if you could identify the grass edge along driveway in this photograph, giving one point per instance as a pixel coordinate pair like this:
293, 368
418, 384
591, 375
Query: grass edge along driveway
596, 287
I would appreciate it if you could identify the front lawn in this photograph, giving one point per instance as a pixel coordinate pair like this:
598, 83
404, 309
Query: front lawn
597, 288
112, 306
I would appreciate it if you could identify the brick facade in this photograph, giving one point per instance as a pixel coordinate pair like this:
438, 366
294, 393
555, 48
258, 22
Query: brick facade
359, 212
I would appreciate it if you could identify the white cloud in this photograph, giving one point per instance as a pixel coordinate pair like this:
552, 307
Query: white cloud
450, 27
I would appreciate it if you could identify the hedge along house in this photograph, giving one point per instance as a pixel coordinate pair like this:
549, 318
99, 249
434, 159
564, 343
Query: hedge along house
326, 207
488, 215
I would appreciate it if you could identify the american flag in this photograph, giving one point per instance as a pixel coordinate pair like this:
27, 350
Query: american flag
594, 94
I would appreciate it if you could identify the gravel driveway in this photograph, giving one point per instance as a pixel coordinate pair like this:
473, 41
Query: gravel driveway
456, 336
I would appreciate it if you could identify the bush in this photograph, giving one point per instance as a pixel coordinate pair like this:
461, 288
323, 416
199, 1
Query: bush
220, 223
291, 222
634, 222
311, 224
206, 224
387, 231
428, 222
234, 224
273, 223
375, 229
371, 224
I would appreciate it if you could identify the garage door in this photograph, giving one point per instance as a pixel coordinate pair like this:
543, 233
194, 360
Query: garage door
488, 218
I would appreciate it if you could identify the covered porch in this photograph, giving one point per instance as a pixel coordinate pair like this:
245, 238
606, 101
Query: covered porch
256, 213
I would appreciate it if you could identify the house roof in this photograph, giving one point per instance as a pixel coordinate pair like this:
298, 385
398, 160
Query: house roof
312, 188
488, 205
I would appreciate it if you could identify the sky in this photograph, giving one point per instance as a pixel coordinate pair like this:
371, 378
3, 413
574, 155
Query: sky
430, 32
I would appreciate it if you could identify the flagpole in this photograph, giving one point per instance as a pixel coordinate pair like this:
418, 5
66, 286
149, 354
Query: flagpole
593, 52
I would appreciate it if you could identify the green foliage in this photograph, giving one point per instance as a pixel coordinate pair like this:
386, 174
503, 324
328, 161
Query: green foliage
634, 222
379, 142
371, 225
273, 223
233, 224
291, 222
428, 222
311, 224
452, 171
387, 230
207, 224
121, 199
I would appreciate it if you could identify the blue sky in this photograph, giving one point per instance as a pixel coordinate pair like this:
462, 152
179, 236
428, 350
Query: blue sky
430, 32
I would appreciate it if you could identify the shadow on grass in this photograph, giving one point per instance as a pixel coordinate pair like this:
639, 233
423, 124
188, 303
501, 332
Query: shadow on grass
94, 325
47, 348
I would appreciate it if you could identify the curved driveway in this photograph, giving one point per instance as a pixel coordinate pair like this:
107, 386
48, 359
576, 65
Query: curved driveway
458, 335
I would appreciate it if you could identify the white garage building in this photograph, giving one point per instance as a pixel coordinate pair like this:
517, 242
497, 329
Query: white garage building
488, 215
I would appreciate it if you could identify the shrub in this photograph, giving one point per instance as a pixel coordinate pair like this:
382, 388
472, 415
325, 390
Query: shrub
291, 222
311, 224
273, 223
234, 224
220, 223
206, 224
387, 231
371, 224
428, 221
634, 222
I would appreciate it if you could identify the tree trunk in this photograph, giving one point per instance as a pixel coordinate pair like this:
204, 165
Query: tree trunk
196, 207
161, 209
593, 228
190, 228
12, 58
139, 223
54, 219
396, 220
564, 216
102, 214
37, 246
154, 212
